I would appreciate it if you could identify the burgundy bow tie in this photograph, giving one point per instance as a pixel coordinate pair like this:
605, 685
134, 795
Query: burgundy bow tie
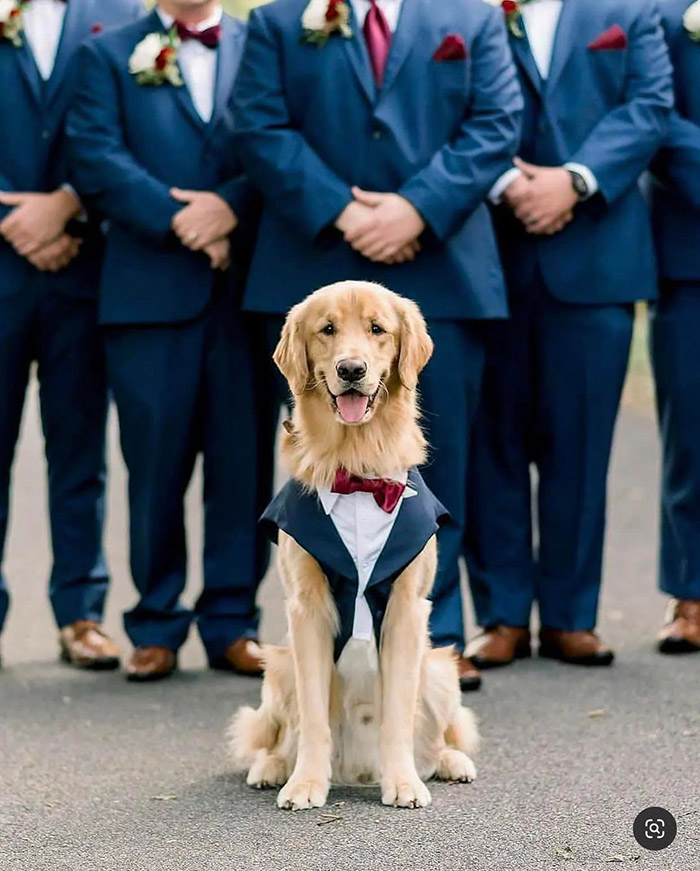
386, 492
211, 37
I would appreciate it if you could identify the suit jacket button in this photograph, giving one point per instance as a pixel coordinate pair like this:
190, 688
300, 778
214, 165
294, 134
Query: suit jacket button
377, 134
45, 134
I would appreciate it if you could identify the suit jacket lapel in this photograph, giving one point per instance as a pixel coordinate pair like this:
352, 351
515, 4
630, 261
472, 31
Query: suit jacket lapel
564, 41
356, 48
403, 40
228, 60
29, 70
74, 26
522, 53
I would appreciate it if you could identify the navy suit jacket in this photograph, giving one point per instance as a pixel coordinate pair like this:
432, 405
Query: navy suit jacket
33, 153
608, 110
310, 123
300, 514
676, 194
129, 145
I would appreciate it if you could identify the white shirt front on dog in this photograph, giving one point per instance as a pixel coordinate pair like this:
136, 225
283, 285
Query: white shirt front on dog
364, 529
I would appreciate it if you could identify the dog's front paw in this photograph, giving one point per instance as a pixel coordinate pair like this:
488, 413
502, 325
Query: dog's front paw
405, 790
300, 793
455, 765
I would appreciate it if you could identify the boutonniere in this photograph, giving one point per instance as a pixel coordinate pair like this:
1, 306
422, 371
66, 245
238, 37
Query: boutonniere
323, 18
11, 21
154, 60
691, 20
511, 9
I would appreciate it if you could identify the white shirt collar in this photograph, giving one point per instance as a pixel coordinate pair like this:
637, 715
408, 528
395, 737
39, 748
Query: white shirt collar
328, 499
212, 21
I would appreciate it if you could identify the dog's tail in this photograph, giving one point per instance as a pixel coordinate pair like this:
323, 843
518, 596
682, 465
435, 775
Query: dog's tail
250, 731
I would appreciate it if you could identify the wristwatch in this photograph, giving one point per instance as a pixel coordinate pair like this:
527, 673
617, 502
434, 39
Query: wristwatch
578, 183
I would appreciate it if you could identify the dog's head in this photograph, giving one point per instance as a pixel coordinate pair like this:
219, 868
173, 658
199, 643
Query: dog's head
353, 344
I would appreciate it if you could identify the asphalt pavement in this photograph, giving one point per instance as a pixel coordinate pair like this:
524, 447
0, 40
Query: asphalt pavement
100, 775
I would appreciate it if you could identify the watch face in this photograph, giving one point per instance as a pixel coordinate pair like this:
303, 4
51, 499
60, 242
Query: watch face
579, 184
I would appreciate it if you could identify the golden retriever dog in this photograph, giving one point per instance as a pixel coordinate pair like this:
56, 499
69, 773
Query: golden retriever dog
386, 713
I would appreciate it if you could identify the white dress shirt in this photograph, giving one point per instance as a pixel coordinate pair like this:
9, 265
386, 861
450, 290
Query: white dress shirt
364, 529
43, 25
541, 18
197, 64
390, 8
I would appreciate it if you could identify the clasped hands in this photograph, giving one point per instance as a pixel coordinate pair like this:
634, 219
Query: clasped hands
542, 198
383, 227
204, 224
36, 227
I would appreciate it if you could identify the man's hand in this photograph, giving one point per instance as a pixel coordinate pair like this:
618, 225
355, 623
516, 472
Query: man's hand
219, 253
355, 218
37, 219
205, 219
56, 255
546, 204
394, 225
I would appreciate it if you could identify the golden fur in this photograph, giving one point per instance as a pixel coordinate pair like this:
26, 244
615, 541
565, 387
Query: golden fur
392, 716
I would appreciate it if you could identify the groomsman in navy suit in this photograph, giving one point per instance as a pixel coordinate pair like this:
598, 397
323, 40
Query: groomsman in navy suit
576, 244
375, 129
50, 256
675, 330
151, 144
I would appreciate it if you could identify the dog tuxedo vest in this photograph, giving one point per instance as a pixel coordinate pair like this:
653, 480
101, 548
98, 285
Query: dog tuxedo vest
361, 547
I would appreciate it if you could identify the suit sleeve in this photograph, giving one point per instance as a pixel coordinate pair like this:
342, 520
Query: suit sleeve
7, 186
461, 174
242, 197
279, 161
623, 143
677, 165
104, 172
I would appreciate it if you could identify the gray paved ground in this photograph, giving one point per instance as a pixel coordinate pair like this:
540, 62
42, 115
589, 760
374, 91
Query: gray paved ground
100, 775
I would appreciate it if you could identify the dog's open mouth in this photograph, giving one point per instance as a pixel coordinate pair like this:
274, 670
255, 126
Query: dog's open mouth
353, 405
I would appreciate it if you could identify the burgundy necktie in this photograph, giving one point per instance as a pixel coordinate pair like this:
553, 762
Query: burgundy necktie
378, 36
386, 492
211, 37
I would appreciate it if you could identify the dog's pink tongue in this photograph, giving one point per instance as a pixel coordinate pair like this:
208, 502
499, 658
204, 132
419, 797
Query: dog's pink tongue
352, 406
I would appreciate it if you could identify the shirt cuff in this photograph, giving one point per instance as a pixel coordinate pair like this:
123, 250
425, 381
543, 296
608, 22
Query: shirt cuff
586, 175
503, 182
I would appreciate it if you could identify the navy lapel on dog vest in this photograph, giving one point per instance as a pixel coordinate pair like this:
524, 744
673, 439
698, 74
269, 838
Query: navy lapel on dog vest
299, 514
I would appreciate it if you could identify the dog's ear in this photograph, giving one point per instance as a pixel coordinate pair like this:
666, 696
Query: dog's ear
416, 345
290, 353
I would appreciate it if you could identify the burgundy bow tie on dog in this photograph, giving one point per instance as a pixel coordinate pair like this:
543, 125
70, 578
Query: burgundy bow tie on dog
211, 37
386, 492
378, 37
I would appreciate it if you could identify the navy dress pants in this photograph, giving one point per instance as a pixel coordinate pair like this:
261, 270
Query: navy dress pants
675, 346
181, 390
60, 333
552, 385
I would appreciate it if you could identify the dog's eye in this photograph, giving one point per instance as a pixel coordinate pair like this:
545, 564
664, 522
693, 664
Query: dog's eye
328, 330
377, 330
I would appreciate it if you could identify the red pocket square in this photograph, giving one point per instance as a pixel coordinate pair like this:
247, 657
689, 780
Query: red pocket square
614, 37
453, 47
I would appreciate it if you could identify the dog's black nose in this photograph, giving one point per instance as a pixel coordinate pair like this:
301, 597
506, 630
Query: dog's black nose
350, 370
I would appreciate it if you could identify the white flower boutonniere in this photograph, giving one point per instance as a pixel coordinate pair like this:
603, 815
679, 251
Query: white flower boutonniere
154, 60
511, 9
11, 21
691, 20
323, 18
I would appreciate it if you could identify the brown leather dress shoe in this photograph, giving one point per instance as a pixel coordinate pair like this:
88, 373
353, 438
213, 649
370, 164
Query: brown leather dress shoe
576, 648
151, 663
242, 656
499, 646
681, 632
469, 676
85, 644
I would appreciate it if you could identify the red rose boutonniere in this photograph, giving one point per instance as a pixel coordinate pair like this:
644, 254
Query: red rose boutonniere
11, 21
511, 9
323, 18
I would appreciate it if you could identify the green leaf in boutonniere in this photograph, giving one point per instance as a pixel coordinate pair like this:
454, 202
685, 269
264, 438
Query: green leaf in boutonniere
512, 11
